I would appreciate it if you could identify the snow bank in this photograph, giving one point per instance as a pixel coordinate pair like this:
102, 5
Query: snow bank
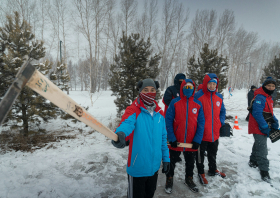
89, 166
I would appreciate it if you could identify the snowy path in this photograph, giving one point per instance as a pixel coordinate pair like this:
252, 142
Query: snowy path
89, 166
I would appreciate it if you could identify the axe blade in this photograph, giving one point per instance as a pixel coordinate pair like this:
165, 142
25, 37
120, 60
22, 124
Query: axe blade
22, 77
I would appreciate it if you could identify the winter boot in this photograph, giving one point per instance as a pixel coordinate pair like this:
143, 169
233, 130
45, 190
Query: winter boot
169, 185
202, 179
189, 182
265, 176
223, 175
253, 164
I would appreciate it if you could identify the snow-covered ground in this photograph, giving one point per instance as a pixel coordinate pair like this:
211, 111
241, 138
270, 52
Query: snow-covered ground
89, 166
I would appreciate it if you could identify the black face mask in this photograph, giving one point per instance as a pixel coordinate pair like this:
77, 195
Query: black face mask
269, 92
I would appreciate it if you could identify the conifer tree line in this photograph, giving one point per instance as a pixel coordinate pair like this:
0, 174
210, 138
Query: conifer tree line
89, 32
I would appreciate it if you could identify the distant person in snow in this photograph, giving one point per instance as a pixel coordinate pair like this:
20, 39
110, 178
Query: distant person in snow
258, 126
214, 112
143, 122
229, 92
184, 123
250, 97
274, 95
173, 91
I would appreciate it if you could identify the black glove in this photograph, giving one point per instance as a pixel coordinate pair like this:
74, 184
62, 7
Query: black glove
174, 144
195, 145
121, 141
166, 167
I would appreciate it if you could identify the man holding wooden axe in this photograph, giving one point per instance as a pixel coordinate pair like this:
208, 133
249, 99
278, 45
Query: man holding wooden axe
143, 122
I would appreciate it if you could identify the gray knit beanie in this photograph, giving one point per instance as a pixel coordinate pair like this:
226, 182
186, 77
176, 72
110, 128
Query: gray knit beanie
145, 83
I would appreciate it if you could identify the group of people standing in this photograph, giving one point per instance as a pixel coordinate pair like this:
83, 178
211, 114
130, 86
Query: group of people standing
189, 117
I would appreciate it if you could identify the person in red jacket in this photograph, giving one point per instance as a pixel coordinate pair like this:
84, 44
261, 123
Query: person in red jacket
215, 114
262, 108
184, 123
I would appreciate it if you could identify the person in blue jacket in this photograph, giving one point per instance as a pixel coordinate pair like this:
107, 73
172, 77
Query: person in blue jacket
144, 124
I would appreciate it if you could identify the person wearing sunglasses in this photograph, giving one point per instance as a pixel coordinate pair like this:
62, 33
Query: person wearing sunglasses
184, 123
215, 114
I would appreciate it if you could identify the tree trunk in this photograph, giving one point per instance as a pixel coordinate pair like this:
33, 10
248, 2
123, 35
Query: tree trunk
25, 120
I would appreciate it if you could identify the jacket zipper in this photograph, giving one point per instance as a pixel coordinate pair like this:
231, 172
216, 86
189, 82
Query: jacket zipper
186, 122
212, 118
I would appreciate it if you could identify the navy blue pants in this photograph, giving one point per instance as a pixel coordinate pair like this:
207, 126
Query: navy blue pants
212, 149
142, 187
189, 162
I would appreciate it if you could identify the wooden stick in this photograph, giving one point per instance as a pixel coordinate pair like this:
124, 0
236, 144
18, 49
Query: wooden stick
43, 86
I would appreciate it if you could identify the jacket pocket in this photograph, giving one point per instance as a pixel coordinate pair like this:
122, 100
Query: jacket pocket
134, 160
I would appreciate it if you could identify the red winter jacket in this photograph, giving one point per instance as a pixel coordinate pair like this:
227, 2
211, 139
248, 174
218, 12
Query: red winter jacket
262, 103
214, 109
185, 119
199, 87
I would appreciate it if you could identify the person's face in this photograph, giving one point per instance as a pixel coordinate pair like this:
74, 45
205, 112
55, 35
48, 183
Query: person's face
149, 89
254, 89
211, 85
270, 87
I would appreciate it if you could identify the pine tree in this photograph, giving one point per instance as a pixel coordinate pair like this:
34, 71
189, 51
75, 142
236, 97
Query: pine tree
29, 108
273, 70
209, 62
134, 62
62, 76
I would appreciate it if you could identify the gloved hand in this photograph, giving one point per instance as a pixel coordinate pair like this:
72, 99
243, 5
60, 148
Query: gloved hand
195, 145
266, 131
275, 125
121, 141
166, 167
174, 144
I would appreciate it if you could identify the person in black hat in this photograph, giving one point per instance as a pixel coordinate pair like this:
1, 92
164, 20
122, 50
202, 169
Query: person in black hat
261, 128
250, 97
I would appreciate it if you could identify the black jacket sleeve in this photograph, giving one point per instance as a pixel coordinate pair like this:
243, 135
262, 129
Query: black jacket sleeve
168, 96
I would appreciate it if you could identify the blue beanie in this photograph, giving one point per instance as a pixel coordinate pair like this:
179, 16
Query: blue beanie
214, 80
269, 80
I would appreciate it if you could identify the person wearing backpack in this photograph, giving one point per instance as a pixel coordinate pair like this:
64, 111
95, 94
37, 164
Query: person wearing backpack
184, 123
250, 97
259, 127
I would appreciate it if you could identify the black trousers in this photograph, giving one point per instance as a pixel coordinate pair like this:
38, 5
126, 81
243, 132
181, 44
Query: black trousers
211, 148
142, 187
189, 162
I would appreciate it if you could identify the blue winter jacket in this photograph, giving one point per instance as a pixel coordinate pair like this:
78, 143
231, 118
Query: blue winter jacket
148, 139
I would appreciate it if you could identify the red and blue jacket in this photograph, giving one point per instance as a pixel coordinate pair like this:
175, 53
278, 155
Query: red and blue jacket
214, 109
147, 135
262, 103
185, 119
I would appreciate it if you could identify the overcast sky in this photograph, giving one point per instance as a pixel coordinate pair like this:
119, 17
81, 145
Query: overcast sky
262, 16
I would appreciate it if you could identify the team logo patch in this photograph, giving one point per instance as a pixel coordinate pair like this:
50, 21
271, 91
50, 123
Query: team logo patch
218, 103
194, 110
258, 102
